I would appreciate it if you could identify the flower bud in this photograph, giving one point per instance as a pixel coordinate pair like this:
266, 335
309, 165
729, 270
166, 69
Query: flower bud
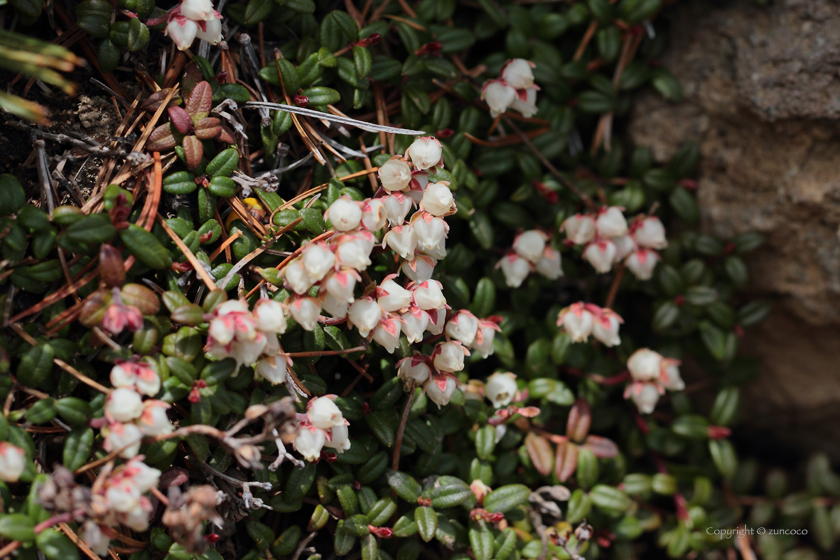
345, 214
306, 310
374, 214
429, 295
353, 251
518, 74
530, 245
642, 262
579, 228
270, 316
401, 240
479, 490
462, 327
437, 199
644, 395
339, 437
154, 421
600, 255
395, 174
212, 32
440, 389
414, 370
484, 338
670, 375
498, 95
500, 389
650, 233
323, 413
515, 268
391, 296
297, 277
396, 207
526, 102
272, 369
429, 231
577, 321
182, 31
420, 269
611, 222
309, 442
317, 260
335, 307
12, 462
414, 323
425, 152
364, 314
549, 264
644, 365
605, 328
123, 405
387, 333
449, 356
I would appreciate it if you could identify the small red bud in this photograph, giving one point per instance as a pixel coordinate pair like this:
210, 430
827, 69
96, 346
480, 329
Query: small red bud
301, 100
679, 300
730, 247
369, 41
719, 432
425, 502
739, 330
357, 485
221, 77
381, 532
182, 266
445, 133
329, 457
194, 396
689, 184
365, 409
494, 517
200, 383
205, 237
212, 538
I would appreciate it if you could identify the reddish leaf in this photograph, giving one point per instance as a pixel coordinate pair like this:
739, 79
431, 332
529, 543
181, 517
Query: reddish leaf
580, 417
200, 101
539, 450
602, 447
192, 76
111, 268
180, 119
193, 150
208, 128
154, 101
565, 461
161, 139
226, 135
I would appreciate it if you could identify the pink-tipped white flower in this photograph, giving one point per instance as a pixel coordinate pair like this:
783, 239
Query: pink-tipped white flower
580, 228
323, 413
649, 232
401, 240
438, 199
414, 323
420, 269
143, 476
341, 284
387, 333
577, 320
438, 252
425, 152
549, 264
12, 462
121, 436
335, 307
397, 207
484, 338
345, 214
391, 296
395, 175
270, 316
212, 32
309, 442
305, 310
624, 245
339, 438
353, 251
414, 370
428, 295
272, 368
154, 421
605, 327
297, 277
611, 222
197, 10
95, 538
515, 268
518, 73
645, 365
437, 320
123, 496
530, 245
429, 231
642, 262
440, 389
364, 314
374, 214
526, 102
317, 260
246, 352
449, 356
498, 95
644, 395
600, 254
500, 389
182, 30
124, 405
669, 375
136, 375
463, 327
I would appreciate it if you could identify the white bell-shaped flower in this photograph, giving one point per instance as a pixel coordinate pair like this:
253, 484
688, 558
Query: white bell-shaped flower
337, 308
449, 356
414, 370
317, 260
341, 284
642, 262
439, 251
624, 245
374, 214
518, 73
414, 323
515, 268
272, 369
498, 95
306, 310
339, 438
438, 199
182, 31
526, 102
580, 228
323, 413
309, 442
391, 296
387, 333
401, 240
345, 214
420, 269
270, 316
670, 375
645, 365
440, 389
611, 222
463, 327
500, 389
428, 295
124, 405
395, 174
577, 321
549, 264
605, 328
397, 208
644, 395
429, 231
600, 254
198, 10
353, 251
483, 343
121, 436
425, 152
364, 314
12, 462
154, 420
297, 277
530, 245
650, 233
212, 32
437, 320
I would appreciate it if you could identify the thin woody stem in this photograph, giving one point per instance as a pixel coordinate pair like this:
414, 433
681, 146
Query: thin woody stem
614, 288
395, 462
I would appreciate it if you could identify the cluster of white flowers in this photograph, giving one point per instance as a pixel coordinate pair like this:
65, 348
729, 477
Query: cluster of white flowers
193, 19
249, 336
531, 253
322, 425
609, 240
513, 89
435, 373
128, 417
652, 374
580, 320
473, 332
12, 462
120, 500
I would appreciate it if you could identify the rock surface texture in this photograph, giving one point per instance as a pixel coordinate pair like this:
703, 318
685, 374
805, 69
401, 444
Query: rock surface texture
761, 89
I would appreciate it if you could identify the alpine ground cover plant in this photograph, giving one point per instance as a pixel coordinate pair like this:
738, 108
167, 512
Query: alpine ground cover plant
375, 281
